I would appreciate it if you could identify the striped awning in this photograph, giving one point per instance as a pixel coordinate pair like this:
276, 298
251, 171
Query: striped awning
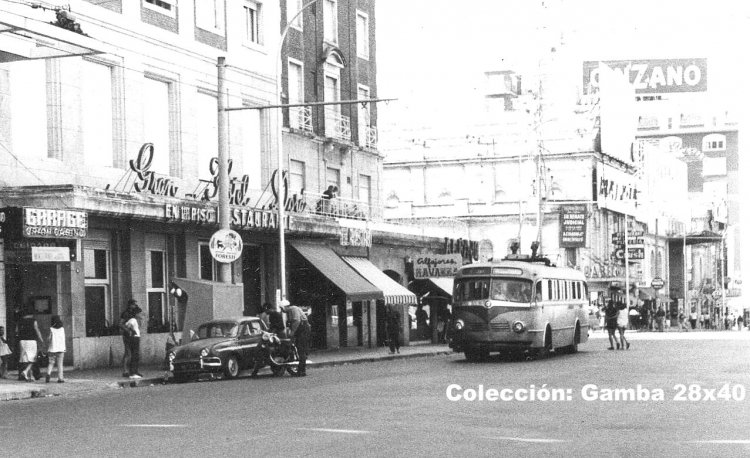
338, 272
393, 292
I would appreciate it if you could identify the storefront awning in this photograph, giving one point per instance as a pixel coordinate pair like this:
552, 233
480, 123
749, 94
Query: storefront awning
444, 283
393, 292
337, 271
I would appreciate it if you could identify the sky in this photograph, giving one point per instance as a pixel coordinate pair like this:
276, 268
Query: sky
432, 54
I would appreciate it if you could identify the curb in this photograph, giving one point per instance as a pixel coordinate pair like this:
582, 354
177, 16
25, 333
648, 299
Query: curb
165, 380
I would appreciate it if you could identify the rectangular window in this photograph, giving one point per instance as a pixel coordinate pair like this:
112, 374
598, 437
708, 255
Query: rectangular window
157, 122
363, 112
155, 289
208, 132
363, 35
330, 21
168, 7
209, 15
96, 113
95, 264
296, 82
253, 22
96, 260
28, 108
365, 183
296, 176
293, 7
251, 125
333, 178
209, 269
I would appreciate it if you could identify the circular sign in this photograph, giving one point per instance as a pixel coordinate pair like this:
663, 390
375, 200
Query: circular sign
716, 294
225, 245
657, 283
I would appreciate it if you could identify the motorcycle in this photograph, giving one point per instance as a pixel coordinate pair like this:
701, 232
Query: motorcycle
280, 355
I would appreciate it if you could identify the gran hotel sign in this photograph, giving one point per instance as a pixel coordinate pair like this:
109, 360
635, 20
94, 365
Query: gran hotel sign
243, 216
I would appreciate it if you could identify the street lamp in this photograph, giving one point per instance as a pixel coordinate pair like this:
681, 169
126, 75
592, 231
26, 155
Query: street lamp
280, 152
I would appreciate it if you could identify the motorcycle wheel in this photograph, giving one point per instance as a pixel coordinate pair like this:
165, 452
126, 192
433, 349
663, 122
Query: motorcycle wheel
277, 371
293, 369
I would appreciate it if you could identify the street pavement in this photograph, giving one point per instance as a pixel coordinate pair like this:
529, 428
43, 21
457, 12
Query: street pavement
431, 406
81, 381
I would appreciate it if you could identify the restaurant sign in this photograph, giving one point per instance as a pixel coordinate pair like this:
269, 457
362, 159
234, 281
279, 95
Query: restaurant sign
352, 236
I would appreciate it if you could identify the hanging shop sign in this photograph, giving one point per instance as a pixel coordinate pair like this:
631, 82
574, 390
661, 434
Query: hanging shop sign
437, 265
351, 236
657, 283
225, 245
616, 190
50, 254
52, 223
27, 250
572, 226
650, 76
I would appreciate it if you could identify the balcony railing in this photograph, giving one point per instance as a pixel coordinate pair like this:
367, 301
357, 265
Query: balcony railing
339, 207
371, 137
301, 118
337, 126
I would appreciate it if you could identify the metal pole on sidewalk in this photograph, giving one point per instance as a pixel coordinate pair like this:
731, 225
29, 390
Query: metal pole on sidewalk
225, 269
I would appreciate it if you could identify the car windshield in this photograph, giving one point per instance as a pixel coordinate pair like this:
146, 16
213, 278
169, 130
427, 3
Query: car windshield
217, 329
499, 289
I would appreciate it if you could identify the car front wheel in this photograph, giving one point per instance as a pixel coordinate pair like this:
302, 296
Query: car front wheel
231, 367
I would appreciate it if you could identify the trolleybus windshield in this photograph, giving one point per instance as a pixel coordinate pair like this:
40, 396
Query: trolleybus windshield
499, 289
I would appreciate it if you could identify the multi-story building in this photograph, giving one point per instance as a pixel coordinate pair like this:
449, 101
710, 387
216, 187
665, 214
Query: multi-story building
108, 142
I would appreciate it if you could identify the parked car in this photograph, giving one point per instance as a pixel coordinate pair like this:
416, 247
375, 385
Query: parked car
220, 346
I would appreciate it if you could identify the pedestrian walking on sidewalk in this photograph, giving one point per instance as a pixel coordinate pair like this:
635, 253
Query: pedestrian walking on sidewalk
393, 327
133, 329
693, 319
610, 322
740, 323
29, 335
622, 325
127, 314
56, 349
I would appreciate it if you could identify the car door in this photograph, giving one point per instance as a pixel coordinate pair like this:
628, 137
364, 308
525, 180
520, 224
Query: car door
249, 336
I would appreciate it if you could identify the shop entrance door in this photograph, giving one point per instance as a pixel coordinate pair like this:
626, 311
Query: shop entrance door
96, 302
251, 279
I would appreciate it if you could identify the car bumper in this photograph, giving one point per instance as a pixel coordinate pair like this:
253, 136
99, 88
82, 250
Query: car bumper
197, 365
461, 341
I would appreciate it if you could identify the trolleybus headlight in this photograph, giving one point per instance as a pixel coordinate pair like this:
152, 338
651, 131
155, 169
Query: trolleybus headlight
518, 327
459, 325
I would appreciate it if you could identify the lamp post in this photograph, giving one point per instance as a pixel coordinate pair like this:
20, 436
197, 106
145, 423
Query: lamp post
280, 152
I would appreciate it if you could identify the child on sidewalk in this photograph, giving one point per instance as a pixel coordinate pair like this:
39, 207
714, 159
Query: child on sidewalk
56, 349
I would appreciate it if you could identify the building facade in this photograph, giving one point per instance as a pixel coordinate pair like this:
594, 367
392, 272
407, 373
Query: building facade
109, 189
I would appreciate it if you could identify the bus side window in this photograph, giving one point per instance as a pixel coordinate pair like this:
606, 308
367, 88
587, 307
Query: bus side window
538, 297
549, 290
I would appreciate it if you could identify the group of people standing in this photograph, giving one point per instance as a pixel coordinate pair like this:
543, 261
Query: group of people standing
32, 347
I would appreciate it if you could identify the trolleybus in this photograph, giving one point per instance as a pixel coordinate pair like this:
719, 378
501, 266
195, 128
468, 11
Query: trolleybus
518, 306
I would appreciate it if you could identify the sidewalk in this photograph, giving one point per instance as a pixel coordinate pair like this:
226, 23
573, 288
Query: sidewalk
81, 381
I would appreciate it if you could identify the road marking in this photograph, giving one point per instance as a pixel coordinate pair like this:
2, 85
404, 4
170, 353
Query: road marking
154, 426
344, 431
524, 439
723, 441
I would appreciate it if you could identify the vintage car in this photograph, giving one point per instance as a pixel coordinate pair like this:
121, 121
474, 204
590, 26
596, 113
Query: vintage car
220, 346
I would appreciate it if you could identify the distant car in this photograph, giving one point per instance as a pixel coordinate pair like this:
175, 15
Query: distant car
220, 346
